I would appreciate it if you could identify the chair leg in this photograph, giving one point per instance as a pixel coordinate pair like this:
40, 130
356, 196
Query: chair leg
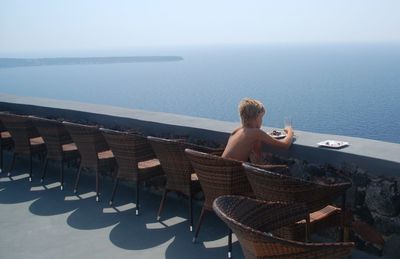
343, 237
229, 243
307, 228
30, 167
137, 198
77, 179
116, 181
62, 175
44, 170
191, 212
12, 164
199, 224
1, 158
162, 204
97, 185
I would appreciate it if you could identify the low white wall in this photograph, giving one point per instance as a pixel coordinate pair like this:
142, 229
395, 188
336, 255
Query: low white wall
375, 157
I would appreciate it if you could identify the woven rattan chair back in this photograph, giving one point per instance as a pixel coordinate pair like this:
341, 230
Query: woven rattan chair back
6, 142
2, 127
89, 141
54, 134
129, 149
218, 176
253, 220
135, 159
174, 161
271, 186
21, 129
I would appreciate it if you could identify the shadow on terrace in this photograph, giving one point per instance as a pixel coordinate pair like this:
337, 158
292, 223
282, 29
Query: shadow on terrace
38, 220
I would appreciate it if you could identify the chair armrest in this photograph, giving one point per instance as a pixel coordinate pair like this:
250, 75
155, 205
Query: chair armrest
282, 169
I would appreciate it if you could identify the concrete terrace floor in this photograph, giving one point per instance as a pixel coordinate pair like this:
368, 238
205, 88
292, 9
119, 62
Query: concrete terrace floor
41, 221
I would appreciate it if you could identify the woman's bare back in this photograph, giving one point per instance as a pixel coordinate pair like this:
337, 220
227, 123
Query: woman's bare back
240, 144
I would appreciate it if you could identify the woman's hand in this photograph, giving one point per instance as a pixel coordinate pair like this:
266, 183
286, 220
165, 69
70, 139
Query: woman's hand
288, 130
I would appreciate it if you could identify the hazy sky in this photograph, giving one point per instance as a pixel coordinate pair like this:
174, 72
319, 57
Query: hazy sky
52, 25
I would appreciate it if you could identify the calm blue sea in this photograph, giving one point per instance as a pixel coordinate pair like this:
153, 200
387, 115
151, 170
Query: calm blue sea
340, 89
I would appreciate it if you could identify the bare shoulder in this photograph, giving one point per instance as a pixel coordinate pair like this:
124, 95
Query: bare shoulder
260, 135
254, 133
236, 130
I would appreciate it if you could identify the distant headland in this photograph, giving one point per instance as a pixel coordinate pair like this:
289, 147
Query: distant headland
28, 62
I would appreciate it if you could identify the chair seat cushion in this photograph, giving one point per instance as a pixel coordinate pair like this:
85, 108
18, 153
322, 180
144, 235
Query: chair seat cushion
322, 214
143, 165
193, 177
329, 216
105, 154
36, 141
147, 169
5, 134
69, 147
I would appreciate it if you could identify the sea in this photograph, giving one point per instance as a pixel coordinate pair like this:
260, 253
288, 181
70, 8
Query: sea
344, 89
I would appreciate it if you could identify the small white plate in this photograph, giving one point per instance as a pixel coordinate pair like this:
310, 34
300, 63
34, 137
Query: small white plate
277, 134
333, 144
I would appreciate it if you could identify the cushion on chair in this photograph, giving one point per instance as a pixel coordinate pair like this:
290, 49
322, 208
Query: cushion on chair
5, 134
69, 147
148, 163
105, 154
322, 214
36, 141
194, 177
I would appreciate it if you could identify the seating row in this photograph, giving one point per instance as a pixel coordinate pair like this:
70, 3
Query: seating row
303, 206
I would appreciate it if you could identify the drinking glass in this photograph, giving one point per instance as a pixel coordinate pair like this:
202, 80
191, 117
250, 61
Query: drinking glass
287, 122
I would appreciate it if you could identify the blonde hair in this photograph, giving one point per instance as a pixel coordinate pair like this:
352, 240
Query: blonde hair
249, 109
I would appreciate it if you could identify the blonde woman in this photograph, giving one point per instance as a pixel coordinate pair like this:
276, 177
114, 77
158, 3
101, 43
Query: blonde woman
247, 140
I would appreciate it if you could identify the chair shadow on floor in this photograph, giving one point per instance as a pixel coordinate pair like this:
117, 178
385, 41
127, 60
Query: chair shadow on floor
17, 188
128, 231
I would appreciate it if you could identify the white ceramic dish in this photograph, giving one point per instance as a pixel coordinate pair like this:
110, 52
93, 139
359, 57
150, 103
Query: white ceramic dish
277, 134
333, 144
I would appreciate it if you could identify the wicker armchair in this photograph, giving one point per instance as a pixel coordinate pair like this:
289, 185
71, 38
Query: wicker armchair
317, 197
253, 221
135, 159
59, 144
218, 176
178, 170
94, 152
27, 140
6, 142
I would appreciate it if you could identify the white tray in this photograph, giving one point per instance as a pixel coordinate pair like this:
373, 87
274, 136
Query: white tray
282, 134
333, 144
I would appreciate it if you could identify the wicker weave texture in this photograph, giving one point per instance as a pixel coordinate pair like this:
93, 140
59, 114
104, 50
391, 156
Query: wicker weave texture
54, 134
22, 130
174, 162
129, 149
271, 186
252, 221
277, 187
218, 176
89, 141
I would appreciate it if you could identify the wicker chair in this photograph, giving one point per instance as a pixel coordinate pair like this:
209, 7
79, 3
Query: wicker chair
218, 176
94, 151
6, 142
27, 140
59, 144
253, 221
317, 197
178, 170
135, 159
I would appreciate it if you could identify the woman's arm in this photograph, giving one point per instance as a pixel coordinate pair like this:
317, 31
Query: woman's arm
283, 144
